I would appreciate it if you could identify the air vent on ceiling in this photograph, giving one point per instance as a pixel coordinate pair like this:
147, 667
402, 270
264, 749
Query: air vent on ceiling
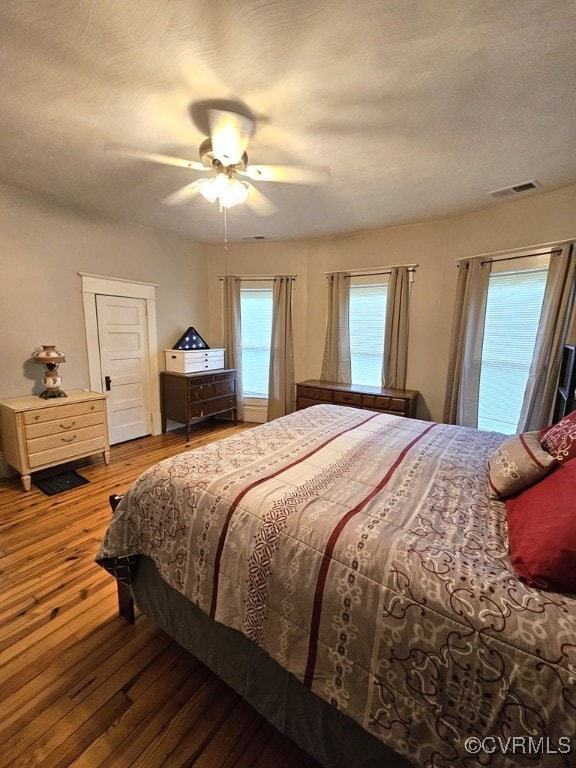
515, 189
253, 237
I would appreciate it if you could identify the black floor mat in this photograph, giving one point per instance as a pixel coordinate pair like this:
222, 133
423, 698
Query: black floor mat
59, 483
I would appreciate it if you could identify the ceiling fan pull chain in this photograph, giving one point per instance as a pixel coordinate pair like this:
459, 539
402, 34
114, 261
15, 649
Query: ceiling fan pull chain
225, 231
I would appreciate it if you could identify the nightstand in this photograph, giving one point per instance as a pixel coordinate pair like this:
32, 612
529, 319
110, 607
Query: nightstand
37, 434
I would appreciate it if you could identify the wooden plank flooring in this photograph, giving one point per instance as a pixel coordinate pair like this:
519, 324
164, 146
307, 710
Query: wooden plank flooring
80, 687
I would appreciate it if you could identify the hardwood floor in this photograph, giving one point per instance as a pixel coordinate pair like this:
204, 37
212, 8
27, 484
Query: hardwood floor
80, 687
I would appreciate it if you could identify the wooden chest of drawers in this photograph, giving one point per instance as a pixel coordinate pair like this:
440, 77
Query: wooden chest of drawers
401, 402
190, 397
37, 434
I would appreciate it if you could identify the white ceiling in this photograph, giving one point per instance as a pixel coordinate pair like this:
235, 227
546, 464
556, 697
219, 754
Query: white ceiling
419, 107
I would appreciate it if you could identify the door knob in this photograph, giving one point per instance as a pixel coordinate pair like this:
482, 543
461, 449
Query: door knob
108, 383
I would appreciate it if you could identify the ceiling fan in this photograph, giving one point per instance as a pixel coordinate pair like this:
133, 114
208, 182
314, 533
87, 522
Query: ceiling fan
224, 155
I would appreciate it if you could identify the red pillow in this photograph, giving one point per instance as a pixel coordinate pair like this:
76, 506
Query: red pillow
542, 531
560, 439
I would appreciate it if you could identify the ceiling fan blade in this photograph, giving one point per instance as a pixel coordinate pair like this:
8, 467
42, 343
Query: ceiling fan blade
259, 203
289, 174
230, 134
157, 158
185, 193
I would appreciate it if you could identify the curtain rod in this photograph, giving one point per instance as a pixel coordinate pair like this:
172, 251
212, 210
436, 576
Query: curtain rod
256, 278
513, 258
375, 271
526, 250
522, 256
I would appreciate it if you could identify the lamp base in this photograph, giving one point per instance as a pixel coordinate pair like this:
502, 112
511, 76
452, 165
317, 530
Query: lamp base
52, 393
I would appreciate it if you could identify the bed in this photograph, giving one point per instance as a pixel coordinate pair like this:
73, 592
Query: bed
348, 573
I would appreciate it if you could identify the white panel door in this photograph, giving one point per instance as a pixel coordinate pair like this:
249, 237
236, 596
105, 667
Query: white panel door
124, 364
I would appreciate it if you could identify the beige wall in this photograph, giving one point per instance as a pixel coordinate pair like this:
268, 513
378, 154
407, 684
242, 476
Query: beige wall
433, 246
43, 246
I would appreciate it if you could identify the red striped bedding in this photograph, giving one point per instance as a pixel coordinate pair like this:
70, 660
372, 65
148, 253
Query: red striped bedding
362, 552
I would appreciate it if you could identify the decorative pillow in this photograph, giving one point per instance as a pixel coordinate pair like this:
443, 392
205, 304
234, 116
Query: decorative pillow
519, 462
542, 531
560, 439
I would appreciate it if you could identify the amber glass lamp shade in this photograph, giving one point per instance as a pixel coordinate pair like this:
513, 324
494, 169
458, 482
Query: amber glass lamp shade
50, 358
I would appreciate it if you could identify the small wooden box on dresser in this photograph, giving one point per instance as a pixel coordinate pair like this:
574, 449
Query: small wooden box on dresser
400, 402
37, 434
190, 397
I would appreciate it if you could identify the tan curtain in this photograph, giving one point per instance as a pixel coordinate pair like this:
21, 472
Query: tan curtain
233, 334
281, 376
336, 363
396, 331
463, 386
550, 338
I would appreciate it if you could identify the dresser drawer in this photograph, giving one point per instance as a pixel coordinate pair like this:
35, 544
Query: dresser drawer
39, 415
210, 407
305, 402
200, 392
398, 405
63, 425
64, 438
315, 393
347, 398
73, 450
224, 387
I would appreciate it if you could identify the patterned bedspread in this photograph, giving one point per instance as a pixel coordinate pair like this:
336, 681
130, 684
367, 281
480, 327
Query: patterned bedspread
361, 551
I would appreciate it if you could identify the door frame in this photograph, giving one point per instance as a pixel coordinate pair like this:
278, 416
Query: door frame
92, 285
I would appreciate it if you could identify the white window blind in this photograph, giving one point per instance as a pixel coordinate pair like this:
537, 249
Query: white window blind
367, 320
512, 315
256, 325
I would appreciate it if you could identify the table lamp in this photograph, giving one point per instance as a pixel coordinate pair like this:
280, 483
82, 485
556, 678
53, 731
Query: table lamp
50, 358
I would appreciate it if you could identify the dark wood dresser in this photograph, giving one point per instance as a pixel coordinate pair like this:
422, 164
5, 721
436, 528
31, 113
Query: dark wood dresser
190, 397
400, 402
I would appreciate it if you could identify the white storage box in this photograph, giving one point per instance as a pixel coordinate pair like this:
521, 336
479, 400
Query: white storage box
193, 360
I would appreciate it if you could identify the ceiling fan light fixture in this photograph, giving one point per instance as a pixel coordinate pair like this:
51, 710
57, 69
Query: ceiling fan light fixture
226, 189
234, 194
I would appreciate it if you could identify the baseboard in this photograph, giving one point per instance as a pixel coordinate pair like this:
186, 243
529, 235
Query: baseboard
5, 472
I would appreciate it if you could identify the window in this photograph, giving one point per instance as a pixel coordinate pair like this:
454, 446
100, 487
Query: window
367, 321
256, 329
512, 315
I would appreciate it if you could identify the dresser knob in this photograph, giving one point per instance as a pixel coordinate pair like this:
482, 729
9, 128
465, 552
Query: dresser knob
69, 439
63, 426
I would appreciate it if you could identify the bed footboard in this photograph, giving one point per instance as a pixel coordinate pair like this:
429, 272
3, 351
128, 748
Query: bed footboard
125, 599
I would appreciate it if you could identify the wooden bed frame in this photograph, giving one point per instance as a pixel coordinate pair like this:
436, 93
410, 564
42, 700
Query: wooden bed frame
125, 599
